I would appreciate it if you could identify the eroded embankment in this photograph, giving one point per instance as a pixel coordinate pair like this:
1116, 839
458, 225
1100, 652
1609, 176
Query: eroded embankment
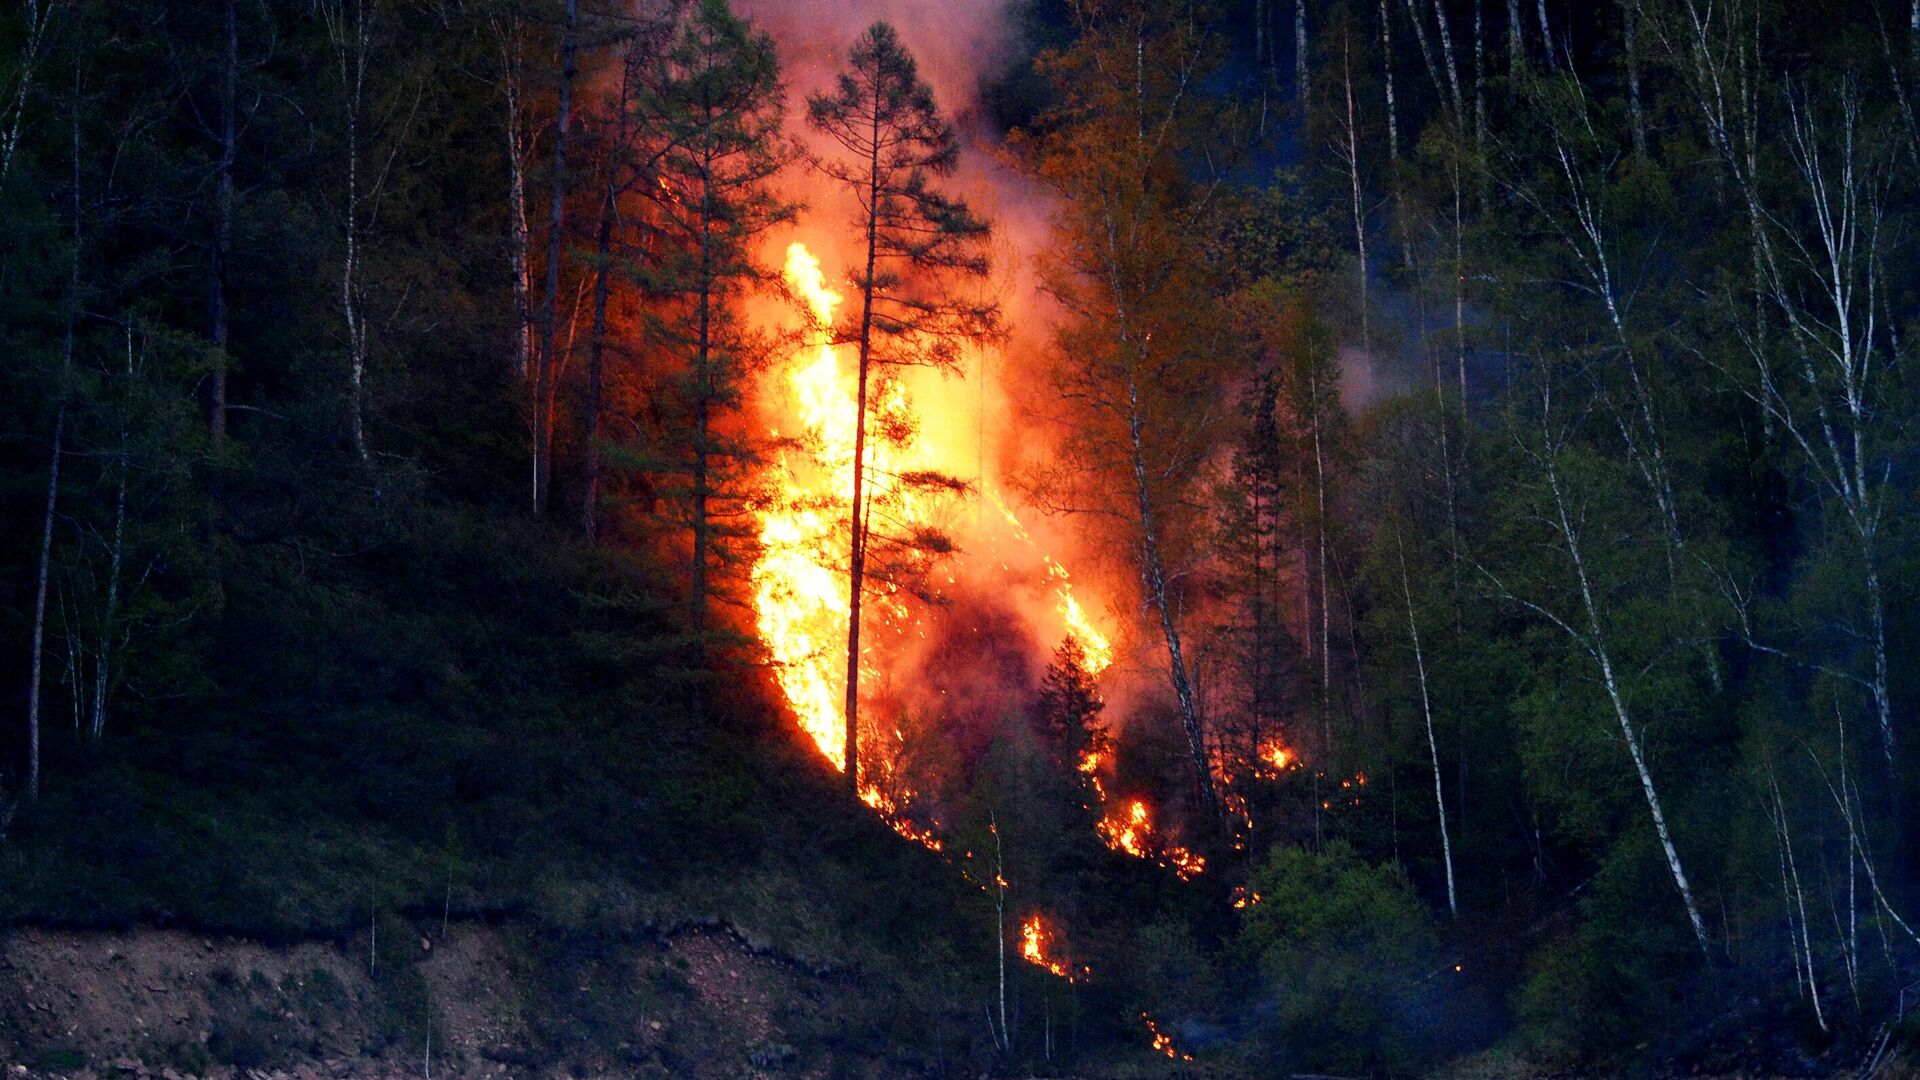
467, 999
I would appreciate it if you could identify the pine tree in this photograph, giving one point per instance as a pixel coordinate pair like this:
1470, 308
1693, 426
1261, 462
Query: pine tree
916, 246
1070, 708
712, 103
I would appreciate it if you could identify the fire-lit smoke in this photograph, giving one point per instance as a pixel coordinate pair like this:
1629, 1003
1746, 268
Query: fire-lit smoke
1010, 587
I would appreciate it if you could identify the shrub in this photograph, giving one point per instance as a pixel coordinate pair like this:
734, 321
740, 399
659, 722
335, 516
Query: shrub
1345, 954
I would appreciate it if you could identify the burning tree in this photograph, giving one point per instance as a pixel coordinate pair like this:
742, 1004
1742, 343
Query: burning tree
1070, 707
1139, 363
916, 245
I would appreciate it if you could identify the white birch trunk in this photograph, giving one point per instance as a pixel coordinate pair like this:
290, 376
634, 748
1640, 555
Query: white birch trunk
1302, 88
39, 18
1596, 644
512, 68
1433, 744
1352, 154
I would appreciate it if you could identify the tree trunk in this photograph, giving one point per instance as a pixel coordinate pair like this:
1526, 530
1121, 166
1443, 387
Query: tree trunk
1004, 1037
1433, 744
1546, 35
602, 287
53, 466
1386, 72
1636, 113
857, 560
1262, 62
223, 226
1459, 293
40, 601
1320, 536
1799, 898
1359, 210
39, 18
517, 245
1516, 45
1480, 90
1447, 88
1455, 98
596, 347
350, 46
703, 418
103, 659
556, 232
1597, 645
1155, 573
1302, 89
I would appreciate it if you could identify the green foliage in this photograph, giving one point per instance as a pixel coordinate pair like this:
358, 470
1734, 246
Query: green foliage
1603, 990
1346, 957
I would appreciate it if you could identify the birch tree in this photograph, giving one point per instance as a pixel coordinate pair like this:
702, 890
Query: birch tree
61, 393
1826, 379
373, 131
509, 32
1426, 714
16, 90
1563, 506
1829, 381
1138, 363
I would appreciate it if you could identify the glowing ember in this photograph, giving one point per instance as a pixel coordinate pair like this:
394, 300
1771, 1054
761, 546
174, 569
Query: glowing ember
894, 814
1130, 830
1163, 1042
1033, 949
1244, 897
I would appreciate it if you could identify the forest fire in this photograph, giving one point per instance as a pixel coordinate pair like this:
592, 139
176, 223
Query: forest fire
893, 813
1097, 647
1129, 829
1276, 758
799, 599
1163, 1042
799, 580
1033, 949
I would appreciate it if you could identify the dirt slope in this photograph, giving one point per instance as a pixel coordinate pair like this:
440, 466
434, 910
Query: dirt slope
476, 1000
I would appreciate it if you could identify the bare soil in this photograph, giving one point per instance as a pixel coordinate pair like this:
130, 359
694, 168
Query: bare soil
479, 1000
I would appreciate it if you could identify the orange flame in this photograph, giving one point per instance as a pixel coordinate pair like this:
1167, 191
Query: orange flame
1033, 948
1131, 831
1096, 645
799, 582
1276, 755
798, 595
1162, 1042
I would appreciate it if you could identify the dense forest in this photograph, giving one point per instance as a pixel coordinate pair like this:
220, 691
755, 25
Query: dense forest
605, 464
